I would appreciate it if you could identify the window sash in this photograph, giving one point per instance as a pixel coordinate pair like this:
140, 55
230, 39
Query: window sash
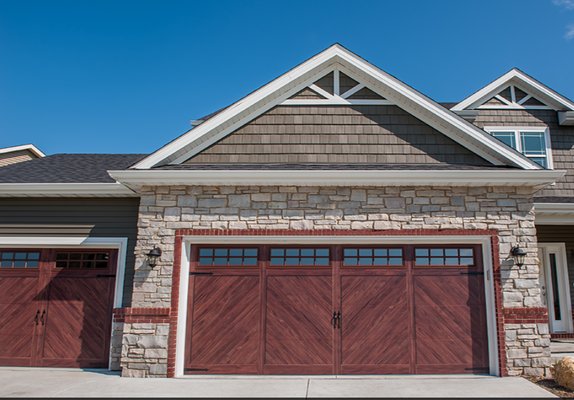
542, 158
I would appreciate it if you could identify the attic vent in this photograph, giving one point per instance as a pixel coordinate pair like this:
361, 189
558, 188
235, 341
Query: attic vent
337, 88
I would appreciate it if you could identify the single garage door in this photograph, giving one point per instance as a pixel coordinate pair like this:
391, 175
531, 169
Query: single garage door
56, 307
336, 310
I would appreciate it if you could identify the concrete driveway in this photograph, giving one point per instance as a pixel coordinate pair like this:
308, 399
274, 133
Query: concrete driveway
31, 382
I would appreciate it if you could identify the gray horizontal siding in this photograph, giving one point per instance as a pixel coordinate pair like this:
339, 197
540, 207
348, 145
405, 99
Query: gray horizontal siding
70, 217
337, 134
561, 137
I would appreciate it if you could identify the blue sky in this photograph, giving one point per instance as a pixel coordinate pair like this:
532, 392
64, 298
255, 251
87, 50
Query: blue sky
128, 76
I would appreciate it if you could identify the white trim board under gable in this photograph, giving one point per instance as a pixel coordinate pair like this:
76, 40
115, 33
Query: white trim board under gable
524, 82
335, 57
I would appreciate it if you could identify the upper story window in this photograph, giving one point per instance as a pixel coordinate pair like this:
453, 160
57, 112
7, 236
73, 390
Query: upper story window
534, 143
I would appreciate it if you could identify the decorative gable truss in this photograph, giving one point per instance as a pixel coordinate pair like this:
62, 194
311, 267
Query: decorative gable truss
337, 88
513, 97
516, 90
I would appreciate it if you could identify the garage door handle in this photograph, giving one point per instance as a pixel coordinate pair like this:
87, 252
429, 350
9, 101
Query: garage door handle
36, 317
339, 319
334, 319
42, 317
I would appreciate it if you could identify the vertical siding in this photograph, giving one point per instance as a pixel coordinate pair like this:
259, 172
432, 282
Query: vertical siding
78, 216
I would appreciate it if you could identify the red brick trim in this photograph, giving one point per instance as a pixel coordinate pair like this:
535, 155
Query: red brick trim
142, 315
562, 335
334, 232
497, 278
530, 315
176, 277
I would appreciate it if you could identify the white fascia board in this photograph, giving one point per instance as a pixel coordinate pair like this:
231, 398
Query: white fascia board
566, 117
236, 109
65, 190
274, 93
29, 147
521, 79
466, 134
536, 178
554, 213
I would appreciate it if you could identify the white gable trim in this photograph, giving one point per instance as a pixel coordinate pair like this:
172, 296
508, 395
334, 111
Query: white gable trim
524, 82
30, 147
279, 90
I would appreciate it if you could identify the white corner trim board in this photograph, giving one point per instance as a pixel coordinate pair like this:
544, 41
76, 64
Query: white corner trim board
335, 57
518, 177
515, 75
484, 241
65, 190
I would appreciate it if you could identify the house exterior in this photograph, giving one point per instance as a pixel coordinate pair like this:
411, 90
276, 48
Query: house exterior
16, 154
334, 221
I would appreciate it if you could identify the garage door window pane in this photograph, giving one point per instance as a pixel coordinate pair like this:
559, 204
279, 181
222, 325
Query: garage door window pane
227, 257
79, 260
372, 257
300, 257
20, 259
450, 256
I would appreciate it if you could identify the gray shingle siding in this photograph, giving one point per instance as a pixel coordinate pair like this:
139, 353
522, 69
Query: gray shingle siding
337, 134
561, 137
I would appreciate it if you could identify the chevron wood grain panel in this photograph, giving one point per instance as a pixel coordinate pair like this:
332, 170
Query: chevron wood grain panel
374, 335
78, 322
18, 307
299, 335
450, 320
224, 316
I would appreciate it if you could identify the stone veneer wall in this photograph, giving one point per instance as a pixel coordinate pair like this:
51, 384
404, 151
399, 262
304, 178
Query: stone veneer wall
507, 210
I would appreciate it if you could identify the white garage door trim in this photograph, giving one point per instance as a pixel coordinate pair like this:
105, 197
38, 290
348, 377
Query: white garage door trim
484, 241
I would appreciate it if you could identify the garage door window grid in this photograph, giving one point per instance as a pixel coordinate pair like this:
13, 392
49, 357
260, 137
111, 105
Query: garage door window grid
19, 259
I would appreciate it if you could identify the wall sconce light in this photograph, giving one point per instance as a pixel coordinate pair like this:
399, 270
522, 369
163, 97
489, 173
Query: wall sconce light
518, 254
153, 256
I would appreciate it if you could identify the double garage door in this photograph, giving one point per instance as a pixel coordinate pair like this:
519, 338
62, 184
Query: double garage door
336, 310
56, 307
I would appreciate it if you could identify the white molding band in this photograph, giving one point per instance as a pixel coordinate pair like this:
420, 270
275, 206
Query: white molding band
279, 90
484, 241
65, 190
554, 213
539, 177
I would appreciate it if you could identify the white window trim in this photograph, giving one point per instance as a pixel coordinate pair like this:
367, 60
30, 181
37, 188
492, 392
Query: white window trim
484, 241
119, 243
518, 141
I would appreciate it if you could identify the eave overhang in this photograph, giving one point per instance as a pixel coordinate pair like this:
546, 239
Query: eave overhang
65, 190
554, 213
534, 178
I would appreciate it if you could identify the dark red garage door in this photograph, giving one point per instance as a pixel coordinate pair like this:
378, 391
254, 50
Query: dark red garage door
336, 310
56, 307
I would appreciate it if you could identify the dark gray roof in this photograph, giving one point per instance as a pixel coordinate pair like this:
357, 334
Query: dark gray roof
548, 199
68, 168
233, 166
